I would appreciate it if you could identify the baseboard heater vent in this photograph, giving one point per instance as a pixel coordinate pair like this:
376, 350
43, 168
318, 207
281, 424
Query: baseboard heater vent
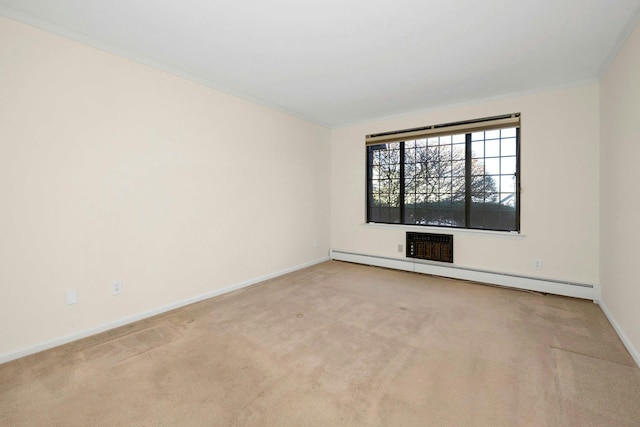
537, 284
430, 246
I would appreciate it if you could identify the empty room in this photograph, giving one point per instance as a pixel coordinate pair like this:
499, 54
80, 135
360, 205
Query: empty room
319, 213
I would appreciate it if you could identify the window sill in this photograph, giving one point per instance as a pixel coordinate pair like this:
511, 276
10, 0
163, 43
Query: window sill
445, 230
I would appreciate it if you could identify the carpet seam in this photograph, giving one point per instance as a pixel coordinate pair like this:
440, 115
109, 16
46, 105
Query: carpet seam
593, 357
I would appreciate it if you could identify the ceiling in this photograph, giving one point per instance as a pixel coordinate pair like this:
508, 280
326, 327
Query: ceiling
337, 62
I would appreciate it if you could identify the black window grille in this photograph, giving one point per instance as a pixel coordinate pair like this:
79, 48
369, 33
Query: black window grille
467, 179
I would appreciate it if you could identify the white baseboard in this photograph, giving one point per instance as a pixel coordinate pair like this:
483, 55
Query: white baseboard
623, 337
557, 287
130, 319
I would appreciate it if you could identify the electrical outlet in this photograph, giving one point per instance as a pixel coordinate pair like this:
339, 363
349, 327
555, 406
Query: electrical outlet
71, 296
400, 248
537, 264
116, 288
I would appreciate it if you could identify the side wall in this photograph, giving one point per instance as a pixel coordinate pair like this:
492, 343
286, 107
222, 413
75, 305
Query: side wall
559, 204
113, 171
620, 175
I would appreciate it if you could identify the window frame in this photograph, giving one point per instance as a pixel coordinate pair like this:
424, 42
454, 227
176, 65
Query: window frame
468, 203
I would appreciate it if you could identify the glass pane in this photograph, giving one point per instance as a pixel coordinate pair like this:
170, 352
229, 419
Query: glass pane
508, 184
417, 154
508, 133
477, 149
493, 216
443, 213
445, 139
509, 147
492, 166
383, 215
492, 148
444, 185
458, 193
491, 187
477, 167
477, 197
508, 199
384, 187
477, 136
492, 134
508, 165
477, 215
374, 214
410, 196
478, 186
410, 216
458, 151
458, 168
445, 152
459, 139
445, 199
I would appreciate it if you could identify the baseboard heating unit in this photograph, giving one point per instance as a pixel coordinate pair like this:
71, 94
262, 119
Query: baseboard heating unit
557, 287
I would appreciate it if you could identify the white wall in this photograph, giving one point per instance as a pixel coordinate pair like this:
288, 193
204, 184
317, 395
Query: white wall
111, 170
620, 176
559, 203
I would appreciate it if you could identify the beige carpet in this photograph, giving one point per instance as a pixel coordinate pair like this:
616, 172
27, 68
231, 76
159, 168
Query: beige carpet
340, 344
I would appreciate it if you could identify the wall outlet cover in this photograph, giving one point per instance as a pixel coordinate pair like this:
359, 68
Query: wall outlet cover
71, 296
116, 288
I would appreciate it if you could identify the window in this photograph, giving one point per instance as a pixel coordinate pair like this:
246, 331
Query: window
463, 175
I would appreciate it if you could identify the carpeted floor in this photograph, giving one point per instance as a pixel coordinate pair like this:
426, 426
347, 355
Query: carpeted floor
340, 344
